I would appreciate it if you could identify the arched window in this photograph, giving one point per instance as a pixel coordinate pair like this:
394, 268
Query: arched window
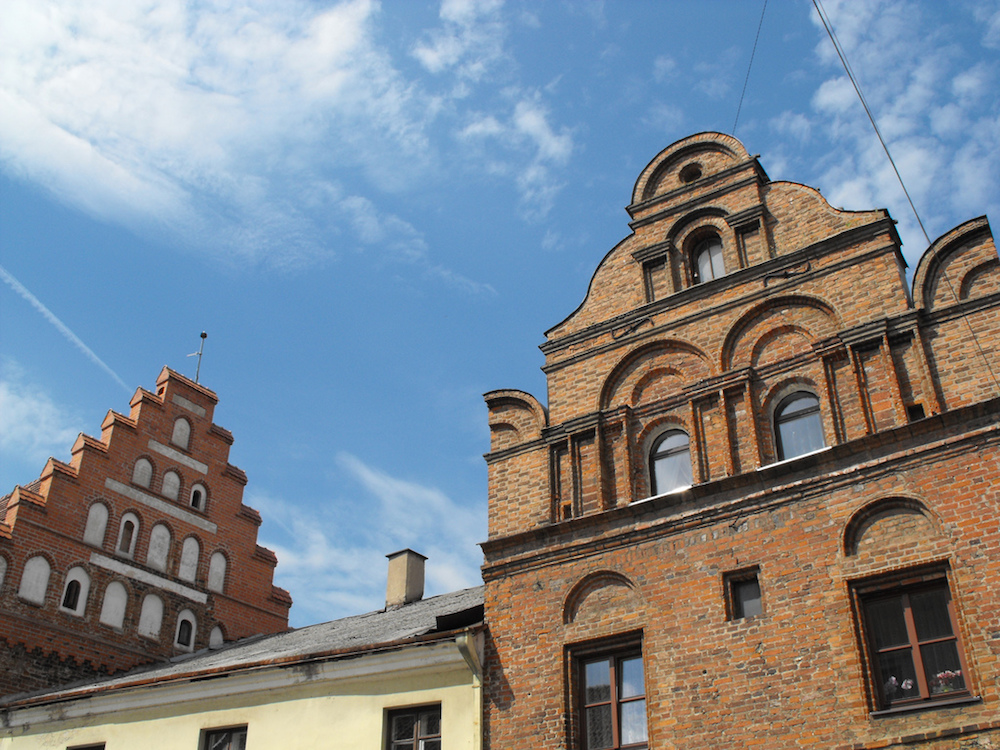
127, 533
171, 485
670, 462
217, 572
159, 547
708, 261
75, 591
142, 472
188, 568
181, 434
798, 428
151, 616
35, 580
115, 602
97, 524
186, 628
198, 497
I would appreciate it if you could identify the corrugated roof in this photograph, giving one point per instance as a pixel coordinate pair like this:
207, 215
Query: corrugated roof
372, 631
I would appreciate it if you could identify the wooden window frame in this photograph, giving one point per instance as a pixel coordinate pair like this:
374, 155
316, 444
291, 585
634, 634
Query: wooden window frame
207, 736
903, 585
418, 741
731, 580
615, 651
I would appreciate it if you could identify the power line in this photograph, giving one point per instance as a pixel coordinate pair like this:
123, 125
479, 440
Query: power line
747, 79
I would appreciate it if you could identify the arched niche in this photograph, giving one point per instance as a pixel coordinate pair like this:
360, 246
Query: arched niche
889, 523
687, 161
600, 594
779, 328
653, 372
963, 260
514, 417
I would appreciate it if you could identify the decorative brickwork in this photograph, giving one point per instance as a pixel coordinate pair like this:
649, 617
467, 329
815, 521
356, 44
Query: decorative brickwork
99, 557
900, 500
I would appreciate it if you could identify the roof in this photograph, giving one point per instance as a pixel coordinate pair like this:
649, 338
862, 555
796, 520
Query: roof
428, 619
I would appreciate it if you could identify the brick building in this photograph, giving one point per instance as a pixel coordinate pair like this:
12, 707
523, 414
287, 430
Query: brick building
760, 508
138, 549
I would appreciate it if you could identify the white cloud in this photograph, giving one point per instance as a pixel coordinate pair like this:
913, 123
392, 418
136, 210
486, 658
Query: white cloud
470, 40
32, 425
332, 556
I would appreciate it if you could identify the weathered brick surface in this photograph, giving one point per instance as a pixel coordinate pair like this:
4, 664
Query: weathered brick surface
814, 298
49, 518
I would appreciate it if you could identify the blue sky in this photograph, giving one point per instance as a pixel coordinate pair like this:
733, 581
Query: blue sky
375, 210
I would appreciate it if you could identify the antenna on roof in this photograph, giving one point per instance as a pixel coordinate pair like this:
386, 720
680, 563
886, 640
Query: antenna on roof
198, 354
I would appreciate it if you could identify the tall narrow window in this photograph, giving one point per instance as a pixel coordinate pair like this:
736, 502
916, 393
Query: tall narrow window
708, 260
198, 496
797, 426
127, 532
75, 592
743, 594
415, 729
181, 435
670, 462
185, 634
913, 643
612, 702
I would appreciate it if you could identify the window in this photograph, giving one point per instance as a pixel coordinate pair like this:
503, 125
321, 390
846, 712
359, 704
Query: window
415, 729
181, 434
75, 591
913, 644
612, 700
234, 738
670, 462
142, 472
186, 627
797, 426
127, 533
708, 260
198, 496
743, 595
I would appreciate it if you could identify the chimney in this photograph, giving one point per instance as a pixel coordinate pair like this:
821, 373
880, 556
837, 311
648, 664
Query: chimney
406, 578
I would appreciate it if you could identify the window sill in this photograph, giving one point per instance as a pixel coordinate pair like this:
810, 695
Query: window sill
926, 706
794, 458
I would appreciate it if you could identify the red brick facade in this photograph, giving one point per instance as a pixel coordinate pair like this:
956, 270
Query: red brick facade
102, 558
843, 437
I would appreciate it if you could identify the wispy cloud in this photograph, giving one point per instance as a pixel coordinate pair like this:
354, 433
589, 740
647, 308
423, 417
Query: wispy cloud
331, 555
18, 287
928, 101
32, 425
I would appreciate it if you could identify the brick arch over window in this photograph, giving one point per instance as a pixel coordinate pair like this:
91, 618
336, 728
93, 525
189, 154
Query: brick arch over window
514, 417
672, 168
602, 590
759, 332
980, 280
653, 372
889, 522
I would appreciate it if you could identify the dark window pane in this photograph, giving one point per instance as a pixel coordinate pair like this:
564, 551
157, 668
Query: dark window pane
632, 682
430, 745
746, 598
597, 682
430, 723
886, 623
942, 667
930, 614
72, 597
402, 726
899, 678
599, 727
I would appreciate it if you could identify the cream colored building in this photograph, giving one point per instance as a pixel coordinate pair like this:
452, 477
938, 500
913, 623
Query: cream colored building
403, 678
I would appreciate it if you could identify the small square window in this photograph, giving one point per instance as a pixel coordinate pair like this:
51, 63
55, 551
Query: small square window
414, 729
233, 738
743, 595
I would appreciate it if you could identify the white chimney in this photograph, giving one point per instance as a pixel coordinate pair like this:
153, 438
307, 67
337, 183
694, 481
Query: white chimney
406, 578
